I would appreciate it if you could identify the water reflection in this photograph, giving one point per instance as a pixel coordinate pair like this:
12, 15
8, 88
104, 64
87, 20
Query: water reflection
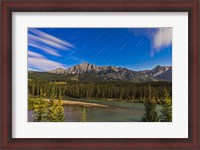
121, 112
116, 112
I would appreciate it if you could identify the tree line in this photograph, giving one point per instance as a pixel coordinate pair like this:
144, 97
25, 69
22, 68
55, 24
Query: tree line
101, 90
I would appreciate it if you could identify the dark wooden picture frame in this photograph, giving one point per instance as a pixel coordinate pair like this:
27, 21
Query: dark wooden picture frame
190, 6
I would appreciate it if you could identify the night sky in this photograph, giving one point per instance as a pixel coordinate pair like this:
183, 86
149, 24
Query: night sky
132, 48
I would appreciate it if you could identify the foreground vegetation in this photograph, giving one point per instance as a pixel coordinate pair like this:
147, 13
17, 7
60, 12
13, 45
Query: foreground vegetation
151, 114
150, 93
44, 111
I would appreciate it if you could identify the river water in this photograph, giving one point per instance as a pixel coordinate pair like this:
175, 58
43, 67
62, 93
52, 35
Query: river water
116, 112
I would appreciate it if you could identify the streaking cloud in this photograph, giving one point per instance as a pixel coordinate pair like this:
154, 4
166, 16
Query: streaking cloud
47, 43
44, 48
50, 37
33, 54
162, 38
41, 63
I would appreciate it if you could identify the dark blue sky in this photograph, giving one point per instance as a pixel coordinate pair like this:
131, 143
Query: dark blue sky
133, 48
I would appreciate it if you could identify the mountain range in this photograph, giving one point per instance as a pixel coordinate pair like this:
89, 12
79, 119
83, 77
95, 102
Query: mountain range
90, 72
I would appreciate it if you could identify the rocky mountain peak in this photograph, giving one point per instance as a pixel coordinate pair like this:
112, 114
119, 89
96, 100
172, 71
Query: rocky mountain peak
164, 72
58, 71
118, 73
84, 64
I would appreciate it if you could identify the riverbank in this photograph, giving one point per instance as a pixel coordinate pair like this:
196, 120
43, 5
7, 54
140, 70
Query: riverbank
69, 102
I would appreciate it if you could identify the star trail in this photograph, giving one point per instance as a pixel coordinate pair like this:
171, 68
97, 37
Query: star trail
133, 48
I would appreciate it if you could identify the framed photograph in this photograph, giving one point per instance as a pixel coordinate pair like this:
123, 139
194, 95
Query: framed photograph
100, 74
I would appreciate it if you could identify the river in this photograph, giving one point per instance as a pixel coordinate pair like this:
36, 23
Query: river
115, 112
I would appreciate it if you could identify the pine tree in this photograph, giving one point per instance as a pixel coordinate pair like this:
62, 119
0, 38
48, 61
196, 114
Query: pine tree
55, 112
84, 115
40, 106
60, 96
39, 110
33, 89
60, 112
53, 93
151, 114
166, 107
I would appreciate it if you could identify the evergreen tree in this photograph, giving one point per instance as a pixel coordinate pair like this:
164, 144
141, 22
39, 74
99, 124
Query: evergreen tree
107, 90
52, 111
151, 114
84, 115
60, 96
39, 106
166, 107
39, 110
53, 93
55, 112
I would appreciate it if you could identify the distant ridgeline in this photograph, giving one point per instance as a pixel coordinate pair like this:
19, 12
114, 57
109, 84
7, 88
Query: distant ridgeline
102, 82
89, 72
